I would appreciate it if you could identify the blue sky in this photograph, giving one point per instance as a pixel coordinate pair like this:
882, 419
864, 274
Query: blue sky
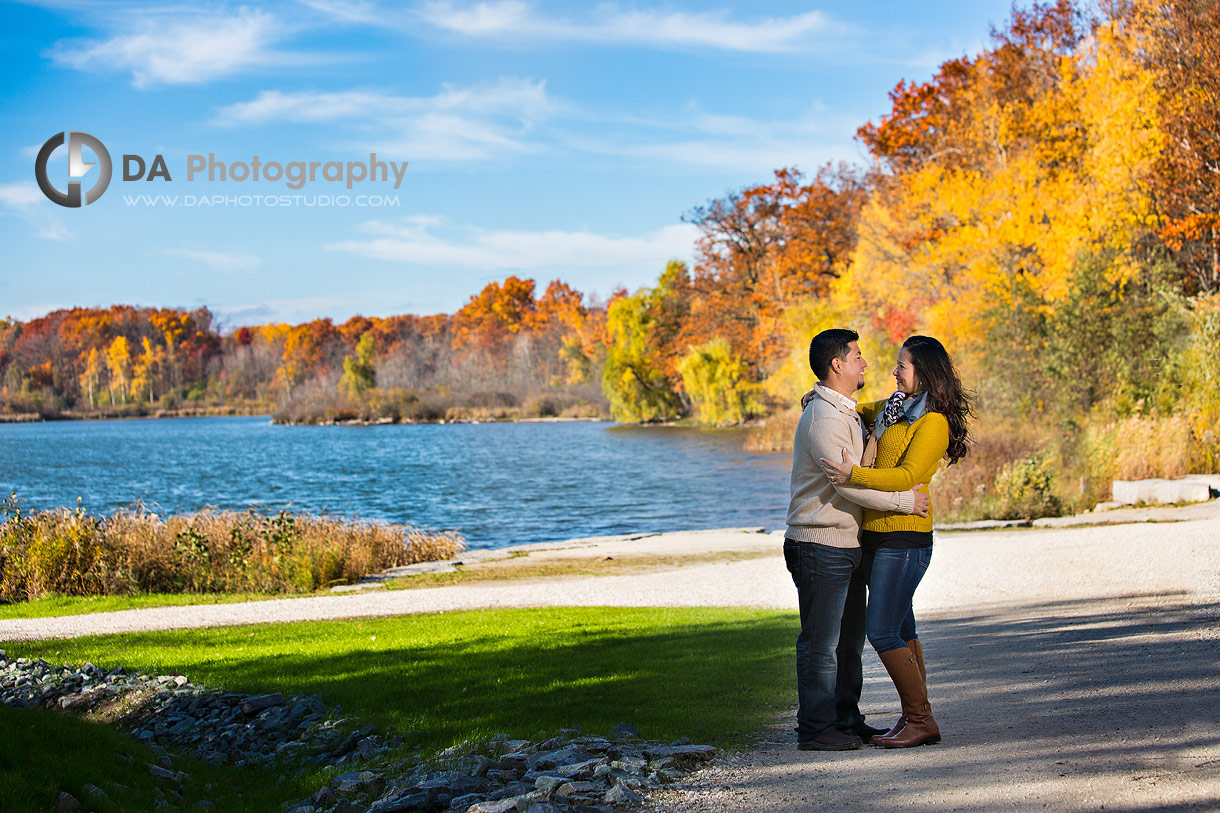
547, 140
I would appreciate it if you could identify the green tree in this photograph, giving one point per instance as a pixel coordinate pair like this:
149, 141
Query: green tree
358, 369
718, 384
639, 378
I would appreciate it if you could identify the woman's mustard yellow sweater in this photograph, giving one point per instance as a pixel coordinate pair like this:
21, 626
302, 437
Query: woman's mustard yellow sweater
907, 454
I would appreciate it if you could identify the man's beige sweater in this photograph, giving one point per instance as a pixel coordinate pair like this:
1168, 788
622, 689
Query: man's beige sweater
820, 511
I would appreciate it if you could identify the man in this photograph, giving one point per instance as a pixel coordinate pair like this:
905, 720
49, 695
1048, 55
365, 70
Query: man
822, 549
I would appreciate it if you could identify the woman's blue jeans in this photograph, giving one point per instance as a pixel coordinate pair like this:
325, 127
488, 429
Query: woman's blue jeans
893, 574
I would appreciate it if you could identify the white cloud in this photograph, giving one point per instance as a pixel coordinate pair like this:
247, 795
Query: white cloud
167, 47
26, 201
514, 21
478, 122
757, 146
415, 241
20, 195
218, 260
293, 310
514, 116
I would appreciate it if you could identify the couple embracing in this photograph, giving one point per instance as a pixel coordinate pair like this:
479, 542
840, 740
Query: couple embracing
859, 533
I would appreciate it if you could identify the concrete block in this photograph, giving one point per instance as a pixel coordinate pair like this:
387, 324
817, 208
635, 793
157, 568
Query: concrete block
1212, 480
1165, 492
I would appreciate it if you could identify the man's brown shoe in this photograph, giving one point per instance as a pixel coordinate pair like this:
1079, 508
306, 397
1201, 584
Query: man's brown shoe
832, 739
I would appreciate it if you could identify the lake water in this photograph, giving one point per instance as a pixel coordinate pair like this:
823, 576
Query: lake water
497, 484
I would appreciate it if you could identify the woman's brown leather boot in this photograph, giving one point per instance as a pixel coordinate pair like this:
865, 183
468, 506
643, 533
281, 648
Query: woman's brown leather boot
917, 650
920, 728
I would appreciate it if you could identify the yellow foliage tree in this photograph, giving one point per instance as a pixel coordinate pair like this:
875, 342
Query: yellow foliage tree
90, 379
718, 384
118, 359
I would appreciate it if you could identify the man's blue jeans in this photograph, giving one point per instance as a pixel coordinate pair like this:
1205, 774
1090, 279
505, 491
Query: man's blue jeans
831, 596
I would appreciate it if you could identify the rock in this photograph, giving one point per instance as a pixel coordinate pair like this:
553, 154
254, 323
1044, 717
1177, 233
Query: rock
73, 702
580, 770
513, 762
575, 789
408, 803
499, 806
552, 759
681, 741
548, 784
594, 745
464, 802
255, 704
626, 731
95, 793
682, 753
66, 801
622, 795
349, 744
538, 806
1130, 492
514, 746
163, 773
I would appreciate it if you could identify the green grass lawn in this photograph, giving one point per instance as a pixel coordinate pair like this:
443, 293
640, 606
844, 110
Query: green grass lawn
84, 605
711, 674
706, 673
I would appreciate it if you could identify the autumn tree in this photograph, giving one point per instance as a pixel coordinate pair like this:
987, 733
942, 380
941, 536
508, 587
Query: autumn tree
766, 248
118, 360
1180, 42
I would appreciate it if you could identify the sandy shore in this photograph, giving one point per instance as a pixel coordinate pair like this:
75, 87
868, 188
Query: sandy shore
1070, 668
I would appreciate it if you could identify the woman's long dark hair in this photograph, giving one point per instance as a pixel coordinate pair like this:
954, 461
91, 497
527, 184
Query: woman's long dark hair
938, 377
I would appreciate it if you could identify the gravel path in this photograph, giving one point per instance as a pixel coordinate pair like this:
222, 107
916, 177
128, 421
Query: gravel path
1074, 669
1070, 668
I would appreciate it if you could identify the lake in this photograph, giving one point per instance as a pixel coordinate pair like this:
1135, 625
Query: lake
497, 484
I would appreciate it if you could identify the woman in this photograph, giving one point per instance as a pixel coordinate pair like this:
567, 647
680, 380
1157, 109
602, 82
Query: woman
923, 421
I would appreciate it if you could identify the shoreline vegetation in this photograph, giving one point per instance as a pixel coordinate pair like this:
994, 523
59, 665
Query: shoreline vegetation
61, 552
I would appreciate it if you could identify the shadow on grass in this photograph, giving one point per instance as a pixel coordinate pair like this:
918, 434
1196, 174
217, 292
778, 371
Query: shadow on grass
712, 675
43, 753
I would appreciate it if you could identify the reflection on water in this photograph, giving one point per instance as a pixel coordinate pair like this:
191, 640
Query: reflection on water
498, 484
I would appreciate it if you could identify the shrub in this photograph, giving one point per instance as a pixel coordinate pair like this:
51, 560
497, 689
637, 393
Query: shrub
1026, 490
71, 553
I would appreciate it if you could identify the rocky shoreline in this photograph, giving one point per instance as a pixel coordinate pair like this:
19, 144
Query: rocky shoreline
566, 772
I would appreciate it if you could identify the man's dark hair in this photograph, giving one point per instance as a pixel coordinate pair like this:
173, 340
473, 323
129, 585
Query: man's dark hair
827, 346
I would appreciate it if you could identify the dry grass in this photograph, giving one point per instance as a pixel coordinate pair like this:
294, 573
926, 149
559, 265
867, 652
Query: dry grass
1140, 447
514, 569
64, 552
